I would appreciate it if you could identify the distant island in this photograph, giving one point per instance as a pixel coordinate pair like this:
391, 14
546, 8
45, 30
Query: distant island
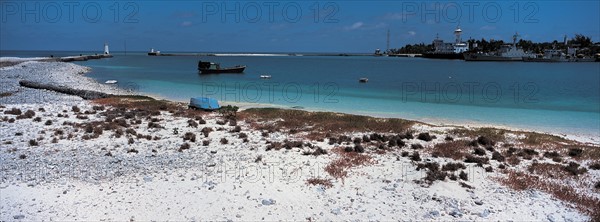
583, 43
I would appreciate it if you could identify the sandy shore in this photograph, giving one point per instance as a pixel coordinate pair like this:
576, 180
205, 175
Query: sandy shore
73, 159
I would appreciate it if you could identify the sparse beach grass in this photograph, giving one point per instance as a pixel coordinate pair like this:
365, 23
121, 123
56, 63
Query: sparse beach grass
318, 124
523, 181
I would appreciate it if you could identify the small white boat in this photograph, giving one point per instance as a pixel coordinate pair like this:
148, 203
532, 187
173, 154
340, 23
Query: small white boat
363, 80
110, 81
265, 76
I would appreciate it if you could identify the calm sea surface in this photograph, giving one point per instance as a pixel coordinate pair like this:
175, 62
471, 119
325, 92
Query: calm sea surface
551, 97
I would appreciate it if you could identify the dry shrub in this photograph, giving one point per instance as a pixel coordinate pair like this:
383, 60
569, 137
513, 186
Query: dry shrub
478, 151
183, 147
537, 139
489, 133
425, 137
416, 146
433, 172
131, 131
583, 152
465, 185
456, 150
33, 143
484, 141
189, 136
144, 103
273, 146
206, 131
594, 166
154, 125
551, 155
236, 129
574, 169
339, 168
192, 123
453, 167
478, 160
27, 115
583, 202
224, 141
316, 181
415, 156
13, 111
549, 170
497, 156
326, 122
513, 160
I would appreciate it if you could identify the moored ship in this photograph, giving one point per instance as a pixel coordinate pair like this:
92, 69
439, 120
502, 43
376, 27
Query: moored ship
556, 55
505, 53
448, 50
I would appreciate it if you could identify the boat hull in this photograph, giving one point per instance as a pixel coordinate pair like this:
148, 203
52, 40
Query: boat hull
559, 60
234, 70
493, 58
443, 55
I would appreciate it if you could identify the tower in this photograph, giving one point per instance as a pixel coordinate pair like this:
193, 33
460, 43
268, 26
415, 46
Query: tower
106, 52
515, 36
457, 33
388, 41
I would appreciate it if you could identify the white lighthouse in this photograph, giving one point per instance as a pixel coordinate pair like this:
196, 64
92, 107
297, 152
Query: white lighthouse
457, 33
106, 52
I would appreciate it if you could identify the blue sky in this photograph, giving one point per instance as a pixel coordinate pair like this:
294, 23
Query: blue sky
295, 26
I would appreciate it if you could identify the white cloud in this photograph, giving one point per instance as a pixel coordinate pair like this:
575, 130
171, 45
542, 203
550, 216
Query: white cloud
354, 26
186, 24
412, 33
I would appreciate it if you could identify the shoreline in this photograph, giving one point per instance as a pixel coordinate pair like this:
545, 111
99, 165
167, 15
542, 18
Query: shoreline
135, 158
579, 137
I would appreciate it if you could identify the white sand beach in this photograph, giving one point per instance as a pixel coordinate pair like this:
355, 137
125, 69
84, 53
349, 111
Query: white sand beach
63, 158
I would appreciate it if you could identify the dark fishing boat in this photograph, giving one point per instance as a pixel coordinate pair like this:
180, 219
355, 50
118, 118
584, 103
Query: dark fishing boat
215, 68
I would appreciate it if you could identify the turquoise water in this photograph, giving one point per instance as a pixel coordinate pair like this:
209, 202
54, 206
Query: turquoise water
552, 97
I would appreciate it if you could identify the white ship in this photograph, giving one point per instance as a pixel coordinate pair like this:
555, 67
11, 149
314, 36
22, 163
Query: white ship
505, 53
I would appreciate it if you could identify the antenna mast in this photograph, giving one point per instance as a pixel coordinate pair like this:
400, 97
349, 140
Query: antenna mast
388, 41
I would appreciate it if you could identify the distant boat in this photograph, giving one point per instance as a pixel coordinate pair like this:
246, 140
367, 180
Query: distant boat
265, 76
215, 68
110, 81
363, 80
153, 53
204, 103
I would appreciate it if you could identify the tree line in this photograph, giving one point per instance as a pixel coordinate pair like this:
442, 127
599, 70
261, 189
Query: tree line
584, 43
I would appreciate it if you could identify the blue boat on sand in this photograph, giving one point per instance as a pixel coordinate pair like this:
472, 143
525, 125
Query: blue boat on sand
204, 103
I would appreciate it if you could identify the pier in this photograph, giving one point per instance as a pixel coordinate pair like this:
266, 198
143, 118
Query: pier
83, 57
